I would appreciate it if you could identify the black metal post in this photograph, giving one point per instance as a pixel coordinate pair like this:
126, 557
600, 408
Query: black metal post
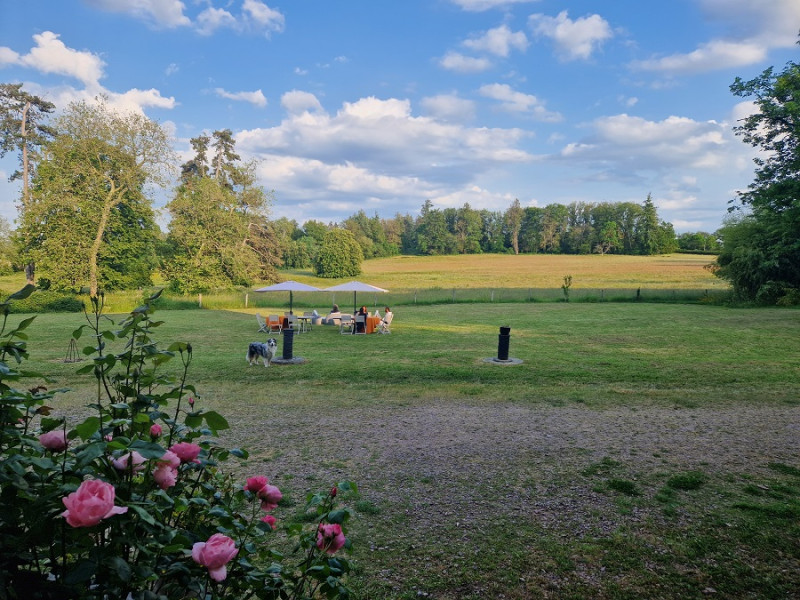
504, 339
288, 342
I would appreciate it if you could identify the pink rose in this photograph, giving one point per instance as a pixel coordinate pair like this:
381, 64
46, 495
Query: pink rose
92, 502
186, 451
214, 554
54, 440
165, 476
123, 462
256, 484
269, 520
270, 496
170, 459
155, 430
330, 537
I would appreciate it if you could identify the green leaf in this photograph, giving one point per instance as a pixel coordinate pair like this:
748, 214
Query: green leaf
148, 449
121, 567
88, 428
215, 421
84, 570
90, 452
193, 420
142, 513
23, 293
338, 516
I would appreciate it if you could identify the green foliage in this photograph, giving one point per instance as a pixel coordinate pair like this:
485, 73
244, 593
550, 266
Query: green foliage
219, 236
150, 447
690, 480
45, 301
87, 222
339, 255
761, 253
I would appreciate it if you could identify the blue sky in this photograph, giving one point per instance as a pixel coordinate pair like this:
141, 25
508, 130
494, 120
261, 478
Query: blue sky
380, 106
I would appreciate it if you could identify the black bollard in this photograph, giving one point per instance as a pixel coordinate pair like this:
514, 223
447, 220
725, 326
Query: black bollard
288, 341
503, 342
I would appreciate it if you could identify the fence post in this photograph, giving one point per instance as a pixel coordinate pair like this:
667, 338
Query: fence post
200, 300
245, 300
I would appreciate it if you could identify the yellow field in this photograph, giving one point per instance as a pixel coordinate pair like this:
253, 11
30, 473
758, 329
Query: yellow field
674, 271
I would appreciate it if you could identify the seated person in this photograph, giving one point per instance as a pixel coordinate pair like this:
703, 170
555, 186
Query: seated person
334, 317
388, 315
361, 327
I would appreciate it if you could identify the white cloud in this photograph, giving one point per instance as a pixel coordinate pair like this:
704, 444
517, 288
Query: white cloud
373, 148
499, 41
775, 24
212, 19
51, 55
454, 61
255, 98
264, 16
448, 107
753, 28
481, 5
708, 57
163, 13
629, 145
518, 103
298, 102
576, 39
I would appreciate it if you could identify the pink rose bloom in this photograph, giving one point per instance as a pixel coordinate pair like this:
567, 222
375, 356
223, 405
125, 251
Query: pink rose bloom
330, 537
256, 484
165, 476
92, 502
186, 451
155, 430
269, 520
54, 440
270, 496
123, 462
170, 459
214, 554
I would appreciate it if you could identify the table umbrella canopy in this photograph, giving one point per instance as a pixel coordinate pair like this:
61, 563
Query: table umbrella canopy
355, 287
291, 287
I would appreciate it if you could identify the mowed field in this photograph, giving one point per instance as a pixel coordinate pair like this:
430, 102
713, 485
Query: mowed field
636, 451
673, 271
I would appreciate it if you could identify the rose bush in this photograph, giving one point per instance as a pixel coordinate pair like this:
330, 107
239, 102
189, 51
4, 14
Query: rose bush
133, 502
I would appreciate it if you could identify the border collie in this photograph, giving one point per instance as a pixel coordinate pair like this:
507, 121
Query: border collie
258, 350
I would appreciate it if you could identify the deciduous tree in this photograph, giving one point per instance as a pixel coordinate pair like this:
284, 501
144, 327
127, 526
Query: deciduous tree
761, 251
88, 221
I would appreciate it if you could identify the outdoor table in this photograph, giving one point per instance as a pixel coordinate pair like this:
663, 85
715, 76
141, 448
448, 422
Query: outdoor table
305, 323
372, 323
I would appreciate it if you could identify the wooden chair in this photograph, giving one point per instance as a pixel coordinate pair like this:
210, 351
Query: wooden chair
274, 323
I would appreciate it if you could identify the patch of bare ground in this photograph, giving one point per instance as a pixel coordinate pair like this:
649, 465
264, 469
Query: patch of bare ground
451, 471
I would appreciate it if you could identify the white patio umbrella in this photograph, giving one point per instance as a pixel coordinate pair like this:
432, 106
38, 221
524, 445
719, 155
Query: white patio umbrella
291, 287
355, 287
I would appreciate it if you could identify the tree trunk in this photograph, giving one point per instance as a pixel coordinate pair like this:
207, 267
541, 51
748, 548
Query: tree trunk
109, 203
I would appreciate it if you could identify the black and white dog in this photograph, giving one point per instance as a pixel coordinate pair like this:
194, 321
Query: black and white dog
258, 350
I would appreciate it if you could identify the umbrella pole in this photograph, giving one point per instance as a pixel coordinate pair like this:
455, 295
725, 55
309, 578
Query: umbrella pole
291, 301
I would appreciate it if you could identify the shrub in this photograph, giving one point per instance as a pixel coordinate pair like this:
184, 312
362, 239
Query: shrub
44, 301
132, 502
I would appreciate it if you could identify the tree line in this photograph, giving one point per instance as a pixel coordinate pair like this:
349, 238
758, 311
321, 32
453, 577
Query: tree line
86, 217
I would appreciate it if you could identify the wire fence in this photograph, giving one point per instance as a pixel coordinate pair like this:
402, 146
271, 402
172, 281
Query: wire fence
307, 301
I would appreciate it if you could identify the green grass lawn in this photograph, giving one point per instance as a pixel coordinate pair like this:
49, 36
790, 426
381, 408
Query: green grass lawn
563, 515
